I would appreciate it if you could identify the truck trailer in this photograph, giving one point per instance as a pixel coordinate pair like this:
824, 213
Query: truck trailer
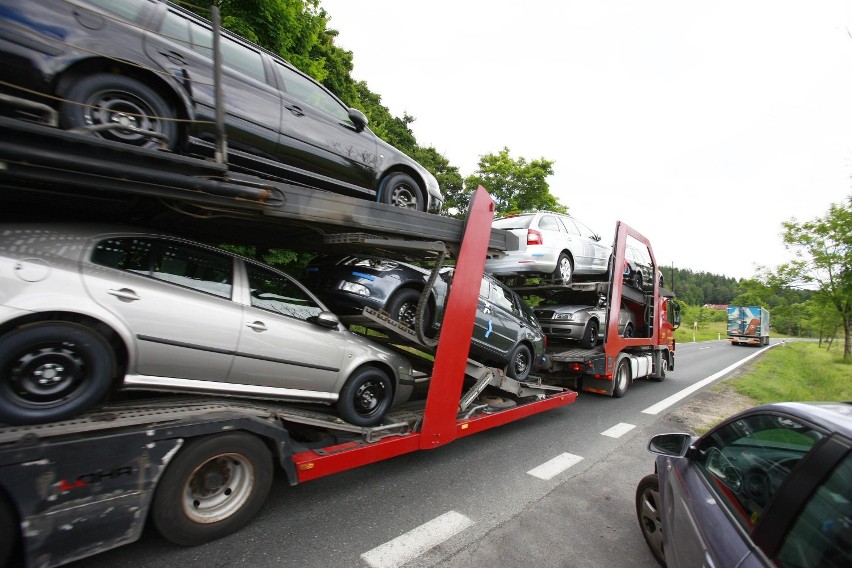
748, 325
645, 350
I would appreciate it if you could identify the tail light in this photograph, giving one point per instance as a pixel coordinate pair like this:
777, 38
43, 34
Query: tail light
534, 237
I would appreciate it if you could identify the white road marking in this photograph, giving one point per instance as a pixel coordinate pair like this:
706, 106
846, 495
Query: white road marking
618, 430
553, 467
415, 542
667, 402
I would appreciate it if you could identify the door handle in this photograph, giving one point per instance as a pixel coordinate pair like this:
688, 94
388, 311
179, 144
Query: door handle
257, 325
295, 109
124, 294
174, 57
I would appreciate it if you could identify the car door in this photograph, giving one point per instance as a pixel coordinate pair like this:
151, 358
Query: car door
714, 500
278, 344
318, 135
175, 297
252, 104
495, 327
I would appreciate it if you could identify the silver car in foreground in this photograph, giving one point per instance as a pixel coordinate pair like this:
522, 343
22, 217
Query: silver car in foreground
86, 309
550, 244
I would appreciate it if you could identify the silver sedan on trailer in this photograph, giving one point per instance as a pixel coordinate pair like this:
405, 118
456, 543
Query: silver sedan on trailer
84, 310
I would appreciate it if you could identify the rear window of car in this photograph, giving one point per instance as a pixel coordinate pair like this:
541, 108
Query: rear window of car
516, 222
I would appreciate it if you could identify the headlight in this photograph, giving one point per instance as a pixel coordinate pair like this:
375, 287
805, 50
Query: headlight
355, 288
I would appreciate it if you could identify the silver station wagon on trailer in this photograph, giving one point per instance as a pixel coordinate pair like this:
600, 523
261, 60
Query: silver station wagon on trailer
85, 310
553, 245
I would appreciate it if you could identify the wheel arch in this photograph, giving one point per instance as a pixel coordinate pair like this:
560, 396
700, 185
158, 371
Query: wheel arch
404, 169
417, 287
177, 97
115, 340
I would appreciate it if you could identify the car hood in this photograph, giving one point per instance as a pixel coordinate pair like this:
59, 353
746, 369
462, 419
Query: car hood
565, 309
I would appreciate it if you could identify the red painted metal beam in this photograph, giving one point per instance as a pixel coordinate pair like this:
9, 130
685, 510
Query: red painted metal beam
439, 422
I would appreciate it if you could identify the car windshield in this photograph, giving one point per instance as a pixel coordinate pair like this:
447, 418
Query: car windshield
516, 222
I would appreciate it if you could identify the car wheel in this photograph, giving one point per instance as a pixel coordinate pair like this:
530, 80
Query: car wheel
212, 488
106, 99
629, 330
590, 335
520, 363
564, 272
648, 513
621, 380
365, 397
52, 371
400, 190
637, 281
402, 307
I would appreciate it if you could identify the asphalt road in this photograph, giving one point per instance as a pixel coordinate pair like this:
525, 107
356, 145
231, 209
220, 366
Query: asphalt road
554, 489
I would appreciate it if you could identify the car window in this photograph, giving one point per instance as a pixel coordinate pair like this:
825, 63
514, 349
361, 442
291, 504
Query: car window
502, 297
200, 39
178, 263
569, 226
484, 289
275, 292
821, 536
309, 92
747, 460
549, 223
128, 9
515, 222
584, 230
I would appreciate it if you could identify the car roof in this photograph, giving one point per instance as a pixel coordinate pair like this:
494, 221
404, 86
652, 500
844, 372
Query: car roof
833, 416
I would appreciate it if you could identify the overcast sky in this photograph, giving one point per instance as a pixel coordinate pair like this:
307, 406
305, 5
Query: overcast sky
704, 125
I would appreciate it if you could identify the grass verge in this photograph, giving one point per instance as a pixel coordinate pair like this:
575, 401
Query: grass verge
797, 371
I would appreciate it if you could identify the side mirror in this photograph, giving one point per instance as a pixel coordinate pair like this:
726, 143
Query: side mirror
326, 319
358, 118
675, 445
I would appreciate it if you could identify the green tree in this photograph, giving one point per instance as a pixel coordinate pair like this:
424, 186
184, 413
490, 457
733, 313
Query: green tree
823, 260
514, 184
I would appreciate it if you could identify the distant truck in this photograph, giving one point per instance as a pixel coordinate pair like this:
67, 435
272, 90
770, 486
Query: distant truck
748, 325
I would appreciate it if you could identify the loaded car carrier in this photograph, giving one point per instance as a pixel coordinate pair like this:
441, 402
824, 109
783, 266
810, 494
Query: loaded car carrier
609, 367
199, 468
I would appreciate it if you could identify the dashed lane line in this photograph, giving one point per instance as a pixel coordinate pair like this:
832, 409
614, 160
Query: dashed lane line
553, 467
618, 430
415, 542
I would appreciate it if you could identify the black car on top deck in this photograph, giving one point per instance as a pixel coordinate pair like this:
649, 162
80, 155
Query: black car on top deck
120, 67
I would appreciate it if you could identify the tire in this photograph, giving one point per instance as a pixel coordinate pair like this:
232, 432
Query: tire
400, 190
564, 272
664, 367
590, 335
114, 99
637, 281
212, 488
52, 371
621, 380
520, 362
366, 397
648, 514
402, 307
629, 331
9, 528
